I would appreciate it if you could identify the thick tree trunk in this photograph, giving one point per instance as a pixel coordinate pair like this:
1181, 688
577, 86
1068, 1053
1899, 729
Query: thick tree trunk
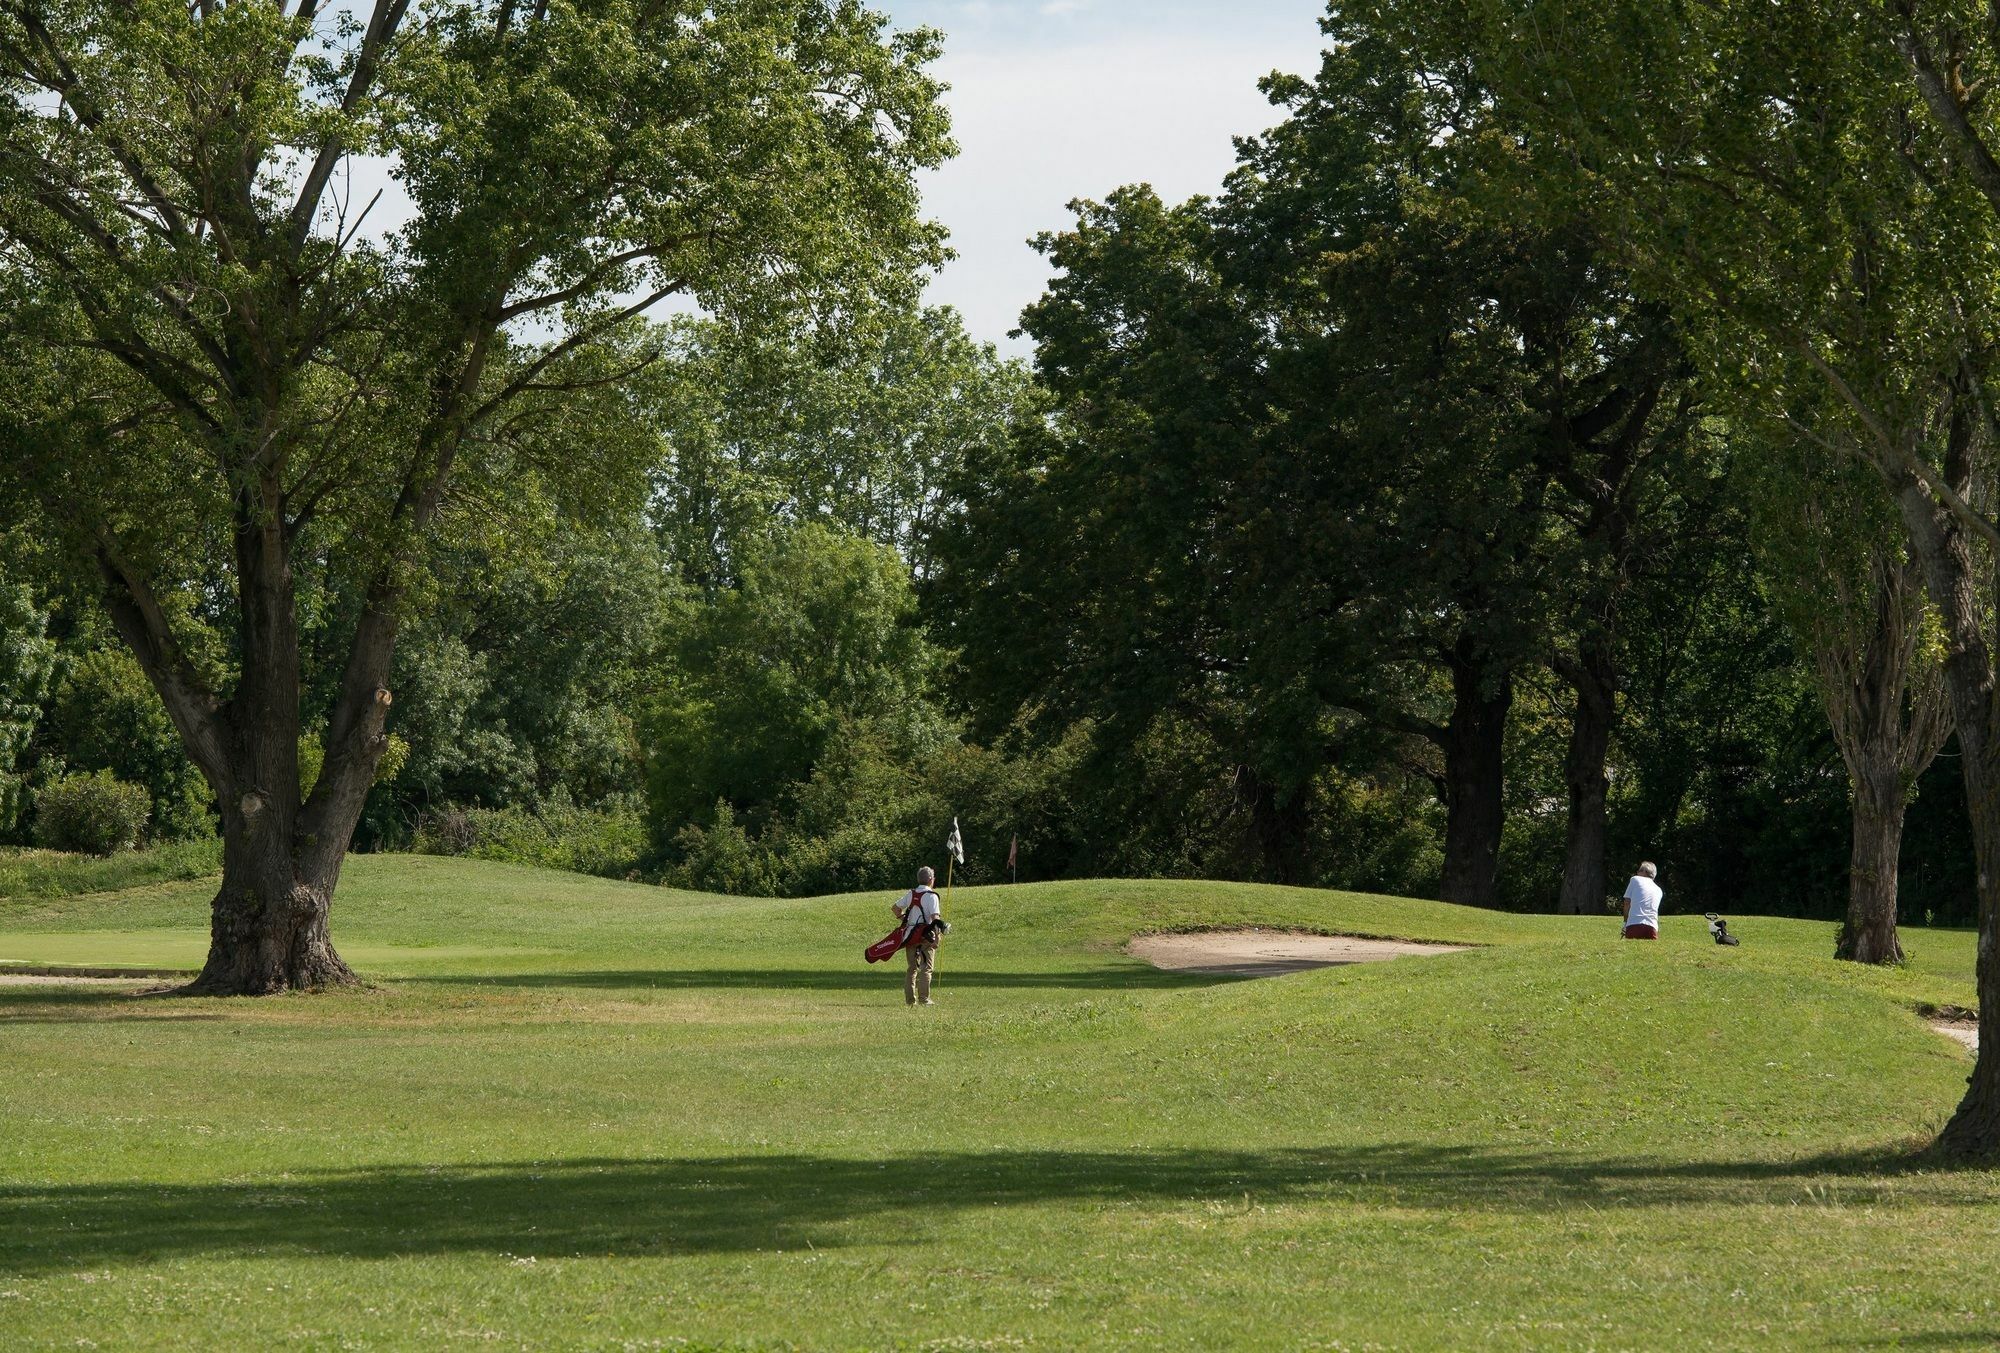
1952, 575
1868, 935
1595, 680
1475, 781
268, 923
281, 857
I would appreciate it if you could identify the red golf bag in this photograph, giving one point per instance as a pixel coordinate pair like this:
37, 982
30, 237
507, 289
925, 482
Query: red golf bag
889, 945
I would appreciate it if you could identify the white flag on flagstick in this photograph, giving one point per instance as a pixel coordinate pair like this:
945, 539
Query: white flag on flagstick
954, 844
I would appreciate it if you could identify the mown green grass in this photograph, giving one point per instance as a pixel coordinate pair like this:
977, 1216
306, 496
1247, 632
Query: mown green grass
589, 1114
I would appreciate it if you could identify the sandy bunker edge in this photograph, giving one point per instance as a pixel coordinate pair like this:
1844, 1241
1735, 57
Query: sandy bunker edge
1270, 953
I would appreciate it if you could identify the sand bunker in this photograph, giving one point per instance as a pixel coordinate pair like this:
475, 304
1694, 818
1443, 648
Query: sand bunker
1270, 953
1959, 1031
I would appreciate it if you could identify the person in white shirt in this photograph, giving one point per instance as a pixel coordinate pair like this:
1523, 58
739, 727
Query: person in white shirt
1642, 904
918, 911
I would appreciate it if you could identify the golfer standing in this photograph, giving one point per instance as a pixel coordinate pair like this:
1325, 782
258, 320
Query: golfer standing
918, 910
1642, 904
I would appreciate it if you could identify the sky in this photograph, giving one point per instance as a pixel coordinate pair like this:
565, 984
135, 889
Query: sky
1054, 100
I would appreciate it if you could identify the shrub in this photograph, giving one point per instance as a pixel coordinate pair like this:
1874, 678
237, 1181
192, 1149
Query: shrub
105, 716
95, 814
721, 858
555, 835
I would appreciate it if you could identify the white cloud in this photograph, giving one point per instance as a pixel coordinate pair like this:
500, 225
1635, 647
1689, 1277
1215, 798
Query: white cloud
1038, 128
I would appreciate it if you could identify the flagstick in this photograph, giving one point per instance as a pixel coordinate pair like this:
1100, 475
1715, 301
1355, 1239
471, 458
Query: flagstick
947, 896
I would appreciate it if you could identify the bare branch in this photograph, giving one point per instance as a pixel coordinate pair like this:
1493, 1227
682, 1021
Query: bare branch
587, 334
84, 105
591, 279
382, 27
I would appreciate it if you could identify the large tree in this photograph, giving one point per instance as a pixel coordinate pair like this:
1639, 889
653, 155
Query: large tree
1838, 569
1474, 411
859, 420
1101, 569
221, 371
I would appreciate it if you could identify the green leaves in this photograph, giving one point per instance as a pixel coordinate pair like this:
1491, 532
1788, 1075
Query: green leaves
27, 663
757, 681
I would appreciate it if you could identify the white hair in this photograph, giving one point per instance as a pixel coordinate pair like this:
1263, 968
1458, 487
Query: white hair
926, 876
1648, 870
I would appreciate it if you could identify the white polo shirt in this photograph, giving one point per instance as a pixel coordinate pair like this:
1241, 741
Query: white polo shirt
917, 906
1644, 895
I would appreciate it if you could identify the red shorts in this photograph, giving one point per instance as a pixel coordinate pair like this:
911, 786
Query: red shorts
1641, 932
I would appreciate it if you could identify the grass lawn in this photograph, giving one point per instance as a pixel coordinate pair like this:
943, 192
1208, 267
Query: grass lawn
574, 1113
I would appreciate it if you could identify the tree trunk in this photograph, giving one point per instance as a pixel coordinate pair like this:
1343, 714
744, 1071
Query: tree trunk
1868, 935
1475, 780
1940, 544
268, 923
1595, 680
1281, 826
281, 857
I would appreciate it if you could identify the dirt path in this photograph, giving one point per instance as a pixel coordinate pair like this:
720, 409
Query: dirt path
15, 973
1269, 953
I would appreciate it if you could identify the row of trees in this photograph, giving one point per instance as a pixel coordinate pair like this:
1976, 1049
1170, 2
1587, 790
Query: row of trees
1349, 455
1487, 485
1814, 194
1480, 347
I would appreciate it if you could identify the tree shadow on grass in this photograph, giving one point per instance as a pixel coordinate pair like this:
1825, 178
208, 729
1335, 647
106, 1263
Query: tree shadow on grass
742, 1203
69, 1005
885, 977
1977, 1338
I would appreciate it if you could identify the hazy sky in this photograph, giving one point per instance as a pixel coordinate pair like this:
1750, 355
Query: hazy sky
1059, 99
1053, 100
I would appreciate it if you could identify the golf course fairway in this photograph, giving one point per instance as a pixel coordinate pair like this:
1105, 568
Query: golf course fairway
570, 1113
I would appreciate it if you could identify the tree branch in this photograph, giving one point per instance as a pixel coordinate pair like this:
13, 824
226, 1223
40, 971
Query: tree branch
1898, 458
587, 334
382, 27
142, 624
1939, 95
588, 281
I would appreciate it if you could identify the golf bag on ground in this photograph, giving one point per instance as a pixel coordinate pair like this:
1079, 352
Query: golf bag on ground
1719, 928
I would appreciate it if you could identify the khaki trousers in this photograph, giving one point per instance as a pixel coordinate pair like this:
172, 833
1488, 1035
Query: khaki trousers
917, 983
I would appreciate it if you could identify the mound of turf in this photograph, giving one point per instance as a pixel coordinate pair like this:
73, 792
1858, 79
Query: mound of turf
579, 1113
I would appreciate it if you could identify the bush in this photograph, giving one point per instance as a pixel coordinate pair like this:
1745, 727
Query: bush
555, 835
105, 716
721, 858
95, 814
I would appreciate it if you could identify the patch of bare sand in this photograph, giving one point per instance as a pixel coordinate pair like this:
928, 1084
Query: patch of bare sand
1270, 953
1959, 1031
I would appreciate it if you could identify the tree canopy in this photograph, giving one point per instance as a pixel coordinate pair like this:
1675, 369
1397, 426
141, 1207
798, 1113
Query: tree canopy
218, 373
